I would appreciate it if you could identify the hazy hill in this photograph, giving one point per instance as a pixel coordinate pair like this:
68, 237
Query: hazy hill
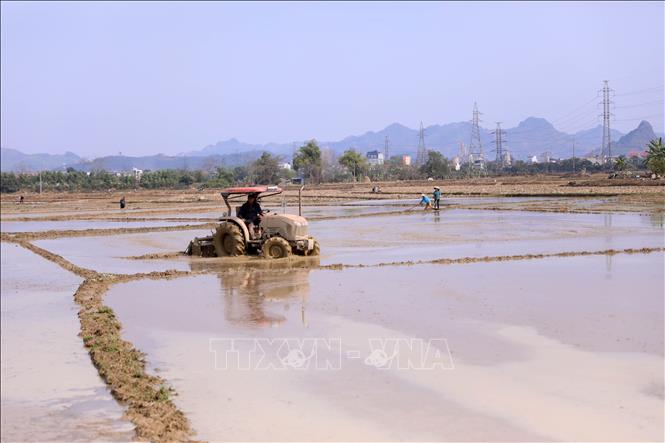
532, 136
155, 162
13, 160
234, 146
636, 140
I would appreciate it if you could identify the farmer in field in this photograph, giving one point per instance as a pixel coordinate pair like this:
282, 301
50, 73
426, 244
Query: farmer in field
437, 196
122, 202
251, 211
424, 200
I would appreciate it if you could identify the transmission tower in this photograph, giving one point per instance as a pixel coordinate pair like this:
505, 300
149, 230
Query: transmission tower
476, 156
606, 148
498, 143
386, 149
421, 156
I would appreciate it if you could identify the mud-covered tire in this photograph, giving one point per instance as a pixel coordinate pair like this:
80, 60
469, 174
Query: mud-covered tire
316, 250
276, 247
229, 240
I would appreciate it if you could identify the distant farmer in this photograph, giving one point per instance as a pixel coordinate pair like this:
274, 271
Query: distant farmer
21, 200
122, 202
251, 211
424, 200
437, 196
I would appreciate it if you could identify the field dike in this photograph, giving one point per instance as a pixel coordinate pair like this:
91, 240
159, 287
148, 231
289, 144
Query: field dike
497, 258
122, 366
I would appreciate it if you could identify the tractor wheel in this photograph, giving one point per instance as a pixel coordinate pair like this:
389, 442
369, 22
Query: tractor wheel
228, 240
316, 250
276, 247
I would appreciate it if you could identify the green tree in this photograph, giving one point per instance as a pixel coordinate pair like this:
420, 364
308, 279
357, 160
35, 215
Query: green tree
186, 180
9, 182
222, 179
355, 162
308, 161
265, 170
656, 156
240, 174
436, 165
621, 164
397, 170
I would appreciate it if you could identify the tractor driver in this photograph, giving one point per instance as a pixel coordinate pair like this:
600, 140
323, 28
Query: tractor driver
251, 211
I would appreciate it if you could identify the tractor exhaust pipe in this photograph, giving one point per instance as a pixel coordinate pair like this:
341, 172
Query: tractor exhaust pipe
300, 200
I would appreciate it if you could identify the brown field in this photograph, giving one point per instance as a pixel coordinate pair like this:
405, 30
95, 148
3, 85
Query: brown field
570, 347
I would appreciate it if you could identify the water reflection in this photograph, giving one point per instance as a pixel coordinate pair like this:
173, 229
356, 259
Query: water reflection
657, 219
260, 293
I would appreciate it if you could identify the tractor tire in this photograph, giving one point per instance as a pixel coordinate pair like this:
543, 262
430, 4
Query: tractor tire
276, 247
316, 250
229, 240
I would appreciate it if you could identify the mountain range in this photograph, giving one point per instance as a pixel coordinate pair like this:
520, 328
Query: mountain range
530, 137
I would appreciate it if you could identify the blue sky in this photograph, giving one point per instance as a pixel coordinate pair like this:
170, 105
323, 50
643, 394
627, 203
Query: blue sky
143, 78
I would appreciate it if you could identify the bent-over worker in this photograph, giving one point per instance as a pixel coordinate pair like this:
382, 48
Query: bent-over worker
425, 200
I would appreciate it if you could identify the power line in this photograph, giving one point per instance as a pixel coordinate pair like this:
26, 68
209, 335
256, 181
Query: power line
386, 149
606, 147
498, 142
422, 151
640, 91
574, 111
476, 156
640, 104
638, 118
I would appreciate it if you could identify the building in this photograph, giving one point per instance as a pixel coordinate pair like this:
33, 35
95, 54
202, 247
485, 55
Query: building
406, 160
375, 158
507, 159
138, 173
285, 165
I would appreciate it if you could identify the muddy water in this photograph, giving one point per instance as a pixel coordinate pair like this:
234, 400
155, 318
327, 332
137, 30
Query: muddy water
472, 233
108, 253
418, 236
308, 211
561, 349
50, 389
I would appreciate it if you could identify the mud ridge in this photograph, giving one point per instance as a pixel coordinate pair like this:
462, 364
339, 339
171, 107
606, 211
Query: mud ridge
156, 256
29, 236
118, 362
453, 261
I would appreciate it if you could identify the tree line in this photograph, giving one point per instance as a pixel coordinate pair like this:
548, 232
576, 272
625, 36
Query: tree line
310, 163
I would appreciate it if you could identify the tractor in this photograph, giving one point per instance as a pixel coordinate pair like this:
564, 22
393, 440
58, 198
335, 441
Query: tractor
276, 236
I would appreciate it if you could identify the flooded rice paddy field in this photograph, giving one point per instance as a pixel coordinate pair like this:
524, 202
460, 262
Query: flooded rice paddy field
497, 318
50, 391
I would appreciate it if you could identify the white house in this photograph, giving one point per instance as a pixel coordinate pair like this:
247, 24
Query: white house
375, 158
137, 174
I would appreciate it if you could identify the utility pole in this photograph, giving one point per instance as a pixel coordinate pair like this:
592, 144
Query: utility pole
606, 148
476, 145
386, 149
573, 154
421, 156
498, 142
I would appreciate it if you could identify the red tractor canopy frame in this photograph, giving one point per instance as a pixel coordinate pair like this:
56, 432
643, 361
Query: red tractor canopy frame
236, 193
